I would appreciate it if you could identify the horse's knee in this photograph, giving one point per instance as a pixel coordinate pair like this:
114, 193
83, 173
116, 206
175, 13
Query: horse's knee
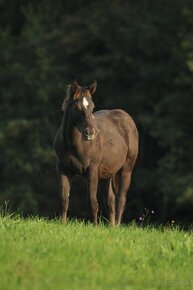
122, 201
65, 200
111, 198
111, 202
94, 205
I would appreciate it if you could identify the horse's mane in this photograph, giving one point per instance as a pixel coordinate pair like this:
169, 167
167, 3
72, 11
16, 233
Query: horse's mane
66, 99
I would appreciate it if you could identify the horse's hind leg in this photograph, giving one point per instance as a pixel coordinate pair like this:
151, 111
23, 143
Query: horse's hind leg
125, 180
111, 203
107, 187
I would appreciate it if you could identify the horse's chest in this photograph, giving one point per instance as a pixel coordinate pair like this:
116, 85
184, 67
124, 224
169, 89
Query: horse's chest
75, 165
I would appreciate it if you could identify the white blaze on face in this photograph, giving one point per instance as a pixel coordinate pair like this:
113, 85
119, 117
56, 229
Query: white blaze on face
85, 103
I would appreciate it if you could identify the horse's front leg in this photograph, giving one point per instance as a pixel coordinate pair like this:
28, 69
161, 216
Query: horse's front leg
92, 186
65, 192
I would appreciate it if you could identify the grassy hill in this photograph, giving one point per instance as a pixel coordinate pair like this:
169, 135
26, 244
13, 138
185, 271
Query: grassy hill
41, 254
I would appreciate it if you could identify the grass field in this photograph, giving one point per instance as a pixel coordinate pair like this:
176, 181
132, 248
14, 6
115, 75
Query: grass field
41, 254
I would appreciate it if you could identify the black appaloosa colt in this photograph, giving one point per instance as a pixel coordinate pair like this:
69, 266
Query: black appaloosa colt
100, 145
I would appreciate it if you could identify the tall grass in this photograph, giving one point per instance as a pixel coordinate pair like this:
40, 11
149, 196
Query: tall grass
40, 254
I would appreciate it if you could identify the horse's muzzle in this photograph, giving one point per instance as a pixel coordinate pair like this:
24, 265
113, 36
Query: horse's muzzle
89, 134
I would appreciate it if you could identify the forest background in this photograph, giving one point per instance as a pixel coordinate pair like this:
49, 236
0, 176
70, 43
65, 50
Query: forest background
141, 54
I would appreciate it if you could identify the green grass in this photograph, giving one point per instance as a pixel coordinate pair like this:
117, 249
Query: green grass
41, 254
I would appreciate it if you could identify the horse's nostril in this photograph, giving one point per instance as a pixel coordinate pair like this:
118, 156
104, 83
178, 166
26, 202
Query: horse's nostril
87, 132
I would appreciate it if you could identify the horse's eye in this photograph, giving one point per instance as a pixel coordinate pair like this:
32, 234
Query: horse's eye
77, 107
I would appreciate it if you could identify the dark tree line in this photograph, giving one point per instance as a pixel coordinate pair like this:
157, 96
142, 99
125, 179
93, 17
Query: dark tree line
140, 52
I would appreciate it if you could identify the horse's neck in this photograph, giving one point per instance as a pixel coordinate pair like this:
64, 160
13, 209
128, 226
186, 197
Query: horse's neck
67, 130
65, 125
71, 136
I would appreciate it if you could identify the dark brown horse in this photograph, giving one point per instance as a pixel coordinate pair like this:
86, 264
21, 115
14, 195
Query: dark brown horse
100, 145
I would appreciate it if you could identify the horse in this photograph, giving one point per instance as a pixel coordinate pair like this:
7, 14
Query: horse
99, 146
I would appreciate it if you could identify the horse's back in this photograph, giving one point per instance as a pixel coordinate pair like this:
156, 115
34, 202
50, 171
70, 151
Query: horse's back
119, 129
117, 117
122, 122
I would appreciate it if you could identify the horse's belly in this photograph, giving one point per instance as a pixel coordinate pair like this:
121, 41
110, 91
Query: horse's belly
113, 160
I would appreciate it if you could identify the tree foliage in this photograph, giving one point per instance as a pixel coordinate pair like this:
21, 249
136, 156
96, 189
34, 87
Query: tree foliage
141, 55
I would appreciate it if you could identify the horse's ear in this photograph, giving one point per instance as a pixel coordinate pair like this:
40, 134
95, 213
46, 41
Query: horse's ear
73, 87
92, 87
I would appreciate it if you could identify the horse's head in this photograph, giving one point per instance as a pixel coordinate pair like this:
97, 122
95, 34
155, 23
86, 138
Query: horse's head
80, 106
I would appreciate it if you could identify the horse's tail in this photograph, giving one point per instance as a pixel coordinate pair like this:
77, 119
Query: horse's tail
115, 183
